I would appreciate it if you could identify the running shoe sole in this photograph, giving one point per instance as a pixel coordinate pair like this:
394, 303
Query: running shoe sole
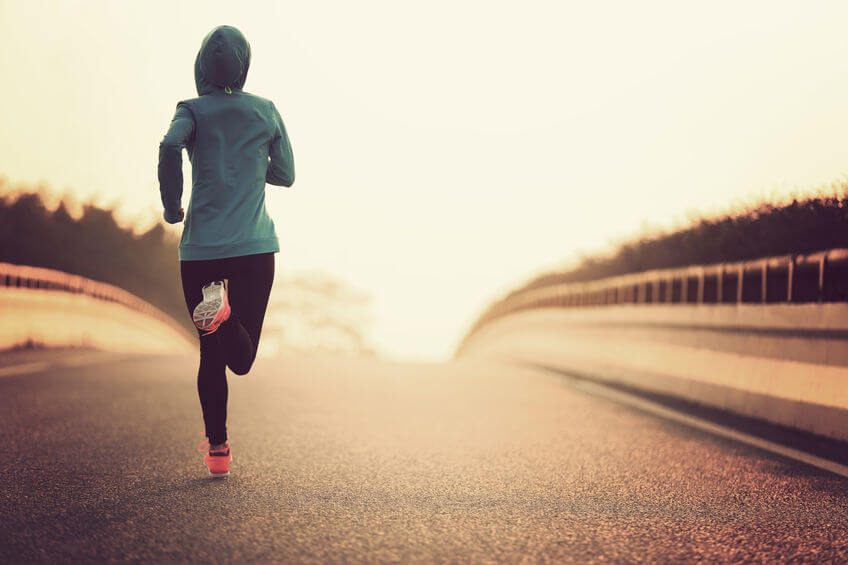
213, 310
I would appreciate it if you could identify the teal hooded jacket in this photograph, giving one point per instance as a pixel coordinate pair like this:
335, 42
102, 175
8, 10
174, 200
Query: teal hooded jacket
236, 142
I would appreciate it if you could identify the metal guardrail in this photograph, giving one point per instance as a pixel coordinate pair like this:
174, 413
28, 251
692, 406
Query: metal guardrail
818, 277
24, 276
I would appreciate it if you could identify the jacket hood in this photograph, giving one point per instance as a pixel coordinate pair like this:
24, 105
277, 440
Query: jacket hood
222, 61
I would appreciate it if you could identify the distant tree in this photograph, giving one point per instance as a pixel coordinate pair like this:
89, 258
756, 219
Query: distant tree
94, 246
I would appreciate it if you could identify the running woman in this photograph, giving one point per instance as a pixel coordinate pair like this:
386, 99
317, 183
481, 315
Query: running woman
236, 143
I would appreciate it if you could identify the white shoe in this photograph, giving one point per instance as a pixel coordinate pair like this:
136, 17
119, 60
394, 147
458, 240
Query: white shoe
213, 310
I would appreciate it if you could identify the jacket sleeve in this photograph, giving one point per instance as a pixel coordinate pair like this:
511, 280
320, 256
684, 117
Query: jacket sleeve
281, 166
171, 162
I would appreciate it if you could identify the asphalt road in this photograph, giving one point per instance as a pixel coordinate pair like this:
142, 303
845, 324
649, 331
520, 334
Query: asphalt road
340, 460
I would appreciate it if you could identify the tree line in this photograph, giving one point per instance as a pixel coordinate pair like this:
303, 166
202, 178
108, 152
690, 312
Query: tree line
802, 226
94, 246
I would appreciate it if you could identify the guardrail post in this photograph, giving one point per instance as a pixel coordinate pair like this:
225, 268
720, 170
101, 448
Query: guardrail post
764, 281
720, 284
740, 281
684, 288
822, 266
790, 282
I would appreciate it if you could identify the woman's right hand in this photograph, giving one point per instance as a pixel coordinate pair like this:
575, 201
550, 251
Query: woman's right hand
176, 220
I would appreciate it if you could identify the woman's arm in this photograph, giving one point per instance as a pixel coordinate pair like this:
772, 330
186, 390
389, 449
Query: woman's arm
171, 163
281, 167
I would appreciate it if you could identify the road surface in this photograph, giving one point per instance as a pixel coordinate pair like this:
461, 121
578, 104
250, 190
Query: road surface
348, 460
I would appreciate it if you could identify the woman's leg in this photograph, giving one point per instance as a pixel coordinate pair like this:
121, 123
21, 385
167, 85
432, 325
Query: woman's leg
248, 290
212, 389
211, 375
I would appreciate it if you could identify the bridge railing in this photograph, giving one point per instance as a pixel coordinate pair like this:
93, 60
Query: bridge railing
817, 277
24, 276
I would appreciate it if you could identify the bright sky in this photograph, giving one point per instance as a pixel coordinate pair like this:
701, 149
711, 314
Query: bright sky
446, 150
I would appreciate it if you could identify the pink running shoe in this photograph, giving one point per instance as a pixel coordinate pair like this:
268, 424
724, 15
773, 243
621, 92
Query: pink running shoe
218, 461
213, 310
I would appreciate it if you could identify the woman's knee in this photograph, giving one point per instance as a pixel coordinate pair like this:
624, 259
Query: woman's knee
210, 351
242, 367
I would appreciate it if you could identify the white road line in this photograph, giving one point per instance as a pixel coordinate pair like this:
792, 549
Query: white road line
711, 427
23, 368
90, 359
71, 362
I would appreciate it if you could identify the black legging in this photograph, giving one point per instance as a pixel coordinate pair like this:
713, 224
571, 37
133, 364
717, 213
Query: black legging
249, 280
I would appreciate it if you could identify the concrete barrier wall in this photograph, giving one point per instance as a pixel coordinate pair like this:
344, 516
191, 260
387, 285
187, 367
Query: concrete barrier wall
54, 308
785, 363
57, 318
